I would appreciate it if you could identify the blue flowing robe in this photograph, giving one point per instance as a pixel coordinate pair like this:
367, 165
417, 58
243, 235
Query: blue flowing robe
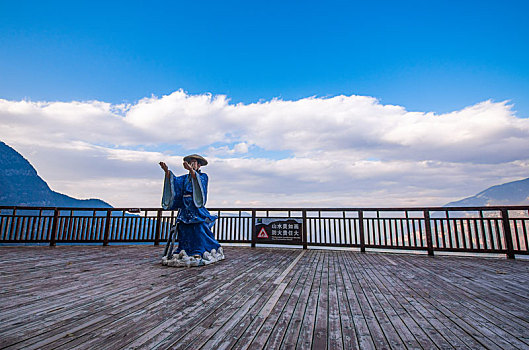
194, 220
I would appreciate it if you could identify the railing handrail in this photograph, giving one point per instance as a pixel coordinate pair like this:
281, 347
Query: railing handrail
503, 233
326, 209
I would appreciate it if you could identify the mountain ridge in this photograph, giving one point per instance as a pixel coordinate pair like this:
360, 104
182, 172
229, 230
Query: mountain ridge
509, 193
20, 185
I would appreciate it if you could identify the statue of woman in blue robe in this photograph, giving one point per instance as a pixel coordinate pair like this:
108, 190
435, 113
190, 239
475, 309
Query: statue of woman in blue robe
197, 245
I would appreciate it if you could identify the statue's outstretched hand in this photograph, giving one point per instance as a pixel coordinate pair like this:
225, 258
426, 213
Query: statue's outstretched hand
188, 166
191, 169
164, 167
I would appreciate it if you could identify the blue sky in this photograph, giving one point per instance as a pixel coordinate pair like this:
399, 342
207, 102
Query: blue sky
296, 103
425, 55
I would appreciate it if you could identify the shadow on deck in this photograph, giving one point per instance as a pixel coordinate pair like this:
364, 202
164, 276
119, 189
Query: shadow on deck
122, 297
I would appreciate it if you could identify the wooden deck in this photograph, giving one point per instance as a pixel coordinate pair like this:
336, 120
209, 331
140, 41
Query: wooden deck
121, 297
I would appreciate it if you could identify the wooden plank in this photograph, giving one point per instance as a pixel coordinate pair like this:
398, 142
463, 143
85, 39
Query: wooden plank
370, 332
215, 302
55, 286
175, 269
394, 334
51, 322
500, 321
229, 332
306, 333
453, 308
76, 270
334, 338
386, 311
418, 327
349, 332
271, 332
440, 324
294, 327
260, 326
319, 337
56, 335
210, 329
242, 324
190, 297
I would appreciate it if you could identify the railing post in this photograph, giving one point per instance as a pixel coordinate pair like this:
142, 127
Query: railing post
507, 232
361, 227
54, 227
158, 223
107, 228
12, 225
304, 230
428, 228
254, 233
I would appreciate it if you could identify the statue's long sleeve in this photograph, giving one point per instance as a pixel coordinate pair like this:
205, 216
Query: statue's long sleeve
172, 197
200, 190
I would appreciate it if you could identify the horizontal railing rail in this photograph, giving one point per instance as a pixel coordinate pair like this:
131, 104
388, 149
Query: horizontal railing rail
494, 229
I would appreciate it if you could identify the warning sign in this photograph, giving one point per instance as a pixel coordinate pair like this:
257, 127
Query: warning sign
262, 233
279, 230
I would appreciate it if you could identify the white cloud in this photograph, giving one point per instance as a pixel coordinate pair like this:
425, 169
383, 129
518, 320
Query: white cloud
189, 120
241, 147
341, 151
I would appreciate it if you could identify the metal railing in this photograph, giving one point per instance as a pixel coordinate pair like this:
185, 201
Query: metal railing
500, 230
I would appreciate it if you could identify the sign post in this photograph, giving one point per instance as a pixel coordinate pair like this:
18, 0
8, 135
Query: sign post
279, 230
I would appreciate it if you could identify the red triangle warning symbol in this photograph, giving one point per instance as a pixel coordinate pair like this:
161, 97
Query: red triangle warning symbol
262, 234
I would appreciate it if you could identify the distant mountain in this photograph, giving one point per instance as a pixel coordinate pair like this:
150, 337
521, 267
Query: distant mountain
511, 193
21, 185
